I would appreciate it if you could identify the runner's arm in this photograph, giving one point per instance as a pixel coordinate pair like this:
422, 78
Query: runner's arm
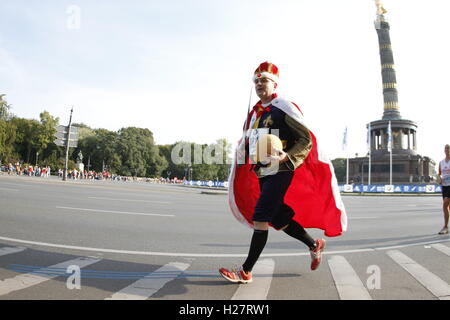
303, 145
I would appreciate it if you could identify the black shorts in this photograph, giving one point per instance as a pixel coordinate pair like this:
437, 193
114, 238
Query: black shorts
270, 206
446, 192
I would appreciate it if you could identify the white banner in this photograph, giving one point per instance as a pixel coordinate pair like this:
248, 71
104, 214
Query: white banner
348, 188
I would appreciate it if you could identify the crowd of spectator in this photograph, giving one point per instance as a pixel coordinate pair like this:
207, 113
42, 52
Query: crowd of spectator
162, 180
74, 174
26, 170
92, 175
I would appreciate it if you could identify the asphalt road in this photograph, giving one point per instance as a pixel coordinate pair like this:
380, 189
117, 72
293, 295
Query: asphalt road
135, 240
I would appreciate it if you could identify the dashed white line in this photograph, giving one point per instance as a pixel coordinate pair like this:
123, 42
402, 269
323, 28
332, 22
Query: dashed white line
118, 212
9, 189
129, 200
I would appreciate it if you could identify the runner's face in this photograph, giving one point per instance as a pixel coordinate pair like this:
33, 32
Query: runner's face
265, 88
447, 150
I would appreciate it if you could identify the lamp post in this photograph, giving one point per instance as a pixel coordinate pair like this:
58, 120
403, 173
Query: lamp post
66, 160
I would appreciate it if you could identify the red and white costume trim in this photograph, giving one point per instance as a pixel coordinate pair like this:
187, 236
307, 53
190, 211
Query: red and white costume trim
313, 194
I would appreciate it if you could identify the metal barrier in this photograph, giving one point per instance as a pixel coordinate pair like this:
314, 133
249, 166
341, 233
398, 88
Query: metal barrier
211, 184
355, 188
360, 188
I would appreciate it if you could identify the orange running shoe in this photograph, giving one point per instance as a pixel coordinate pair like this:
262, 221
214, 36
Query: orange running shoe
236, 275
316, 254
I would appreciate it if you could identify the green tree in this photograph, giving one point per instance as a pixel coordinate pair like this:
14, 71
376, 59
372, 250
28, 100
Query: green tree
34, 136
26, 137
340, 169
45, 135
7, 140
206, 162
83, 130
173, 170
223, 168
4, 108
99, 149
139, 154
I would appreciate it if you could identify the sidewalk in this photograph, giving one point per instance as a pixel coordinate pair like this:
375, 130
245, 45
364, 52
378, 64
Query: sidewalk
224, 191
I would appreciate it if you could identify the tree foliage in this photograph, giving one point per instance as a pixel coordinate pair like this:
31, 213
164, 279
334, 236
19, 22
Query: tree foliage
197, 161
7, 139
140, 155
340, 169
4, 108
130, 151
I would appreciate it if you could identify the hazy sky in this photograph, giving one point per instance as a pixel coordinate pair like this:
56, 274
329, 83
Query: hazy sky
183, 68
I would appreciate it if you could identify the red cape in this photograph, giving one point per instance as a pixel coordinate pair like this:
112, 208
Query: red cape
313, 194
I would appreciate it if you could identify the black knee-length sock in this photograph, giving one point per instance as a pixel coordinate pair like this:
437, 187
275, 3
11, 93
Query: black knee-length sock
257, 245
296, 231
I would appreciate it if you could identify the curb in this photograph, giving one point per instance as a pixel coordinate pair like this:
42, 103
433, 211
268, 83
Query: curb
224, 193
391, 194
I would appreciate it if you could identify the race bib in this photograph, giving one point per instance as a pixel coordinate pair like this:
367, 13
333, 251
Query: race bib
253, 136
446, 180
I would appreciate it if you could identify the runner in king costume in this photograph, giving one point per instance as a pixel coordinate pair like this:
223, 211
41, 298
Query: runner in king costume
301, 193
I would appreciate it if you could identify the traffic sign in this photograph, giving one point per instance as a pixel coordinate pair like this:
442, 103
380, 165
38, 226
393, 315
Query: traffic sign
62, 133
62, 143
61, 128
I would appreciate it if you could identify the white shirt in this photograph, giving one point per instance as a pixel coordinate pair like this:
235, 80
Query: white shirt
445, 172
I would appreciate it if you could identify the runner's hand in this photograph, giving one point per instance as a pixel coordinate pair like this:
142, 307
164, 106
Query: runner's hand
279, 157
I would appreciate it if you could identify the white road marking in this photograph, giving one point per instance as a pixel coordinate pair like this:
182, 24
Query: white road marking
348, 284
24, 281
430, 281
12, 184
441, 248
8, 189
411, 244
199, 255
392, 215
8, 250
130, 200
259, 288
118, 212
145, 288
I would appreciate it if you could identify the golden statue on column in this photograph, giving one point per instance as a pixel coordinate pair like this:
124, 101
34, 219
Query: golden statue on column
380, 9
